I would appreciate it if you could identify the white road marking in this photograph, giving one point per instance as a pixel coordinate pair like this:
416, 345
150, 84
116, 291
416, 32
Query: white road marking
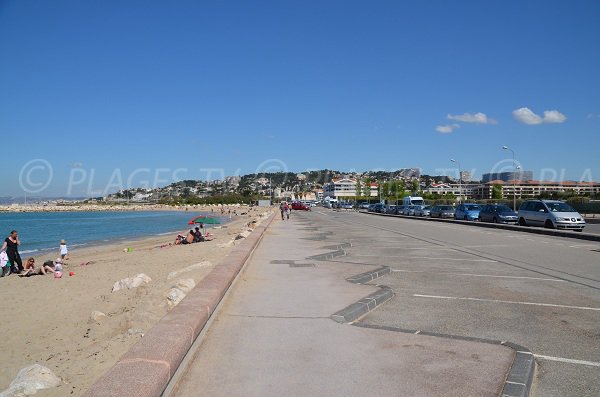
480, 275
404, 248
567, 360
583, 245
489, 246
426, 257
502, 301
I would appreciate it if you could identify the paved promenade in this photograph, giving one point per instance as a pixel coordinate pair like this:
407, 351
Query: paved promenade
274, 334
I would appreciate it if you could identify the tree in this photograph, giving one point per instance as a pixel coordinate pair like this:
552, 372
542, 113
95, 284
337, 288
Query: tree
497, 192
367, 189
415, 186
358, 188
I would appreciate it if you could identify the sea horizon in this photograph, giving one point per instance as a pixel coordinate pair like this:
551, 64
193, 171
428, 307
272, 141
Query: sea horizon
41, 232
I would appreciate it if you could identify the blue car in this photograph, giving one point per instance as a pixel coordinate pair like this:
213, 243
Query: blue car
467, 212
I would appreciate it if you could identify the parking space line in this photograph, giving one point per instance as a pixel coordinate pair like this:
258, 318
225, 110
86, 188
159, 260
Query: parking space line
567, 360
488, 246
481, 275
512, 302
402, 247
425, 257
583, 245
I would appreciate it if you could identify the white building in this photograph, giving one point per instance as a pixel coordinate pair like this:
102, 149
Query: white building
346, 187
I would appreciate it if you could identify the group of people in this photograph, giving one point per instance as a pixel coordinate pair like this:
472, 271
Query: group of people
10, 259
285, 210
193, 236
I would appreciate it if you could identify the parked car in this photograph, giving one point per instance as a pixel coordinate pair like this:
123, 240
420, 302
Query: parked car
412, 210
364, 206
346, 206
467, 212
400, 209
391, 209
298, 206
424, 210
498, 213
551, 214
442, 211
379, 208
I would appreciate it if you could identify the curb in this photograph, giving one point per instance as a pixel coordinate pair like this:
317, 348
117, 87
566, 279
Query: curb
353, 312
147, 367
525, 229
521, 374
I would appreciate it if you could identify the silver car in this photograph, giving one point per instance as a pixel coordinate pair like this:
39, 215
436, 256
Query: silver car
551, 214
423, 210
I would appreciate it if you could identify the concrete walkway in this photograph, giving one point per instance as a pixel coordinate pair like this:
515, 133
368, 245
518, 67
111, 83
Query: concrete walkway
274, 336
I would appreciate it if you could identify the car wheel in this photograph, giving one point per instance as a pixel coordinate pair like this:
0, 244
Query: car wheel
495, 220
549, 224
465, 218
522, 222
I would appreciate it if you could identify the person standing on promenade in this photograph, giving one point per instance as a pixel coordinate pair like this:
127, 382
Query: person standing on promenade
11, 246
282, 210
64, 252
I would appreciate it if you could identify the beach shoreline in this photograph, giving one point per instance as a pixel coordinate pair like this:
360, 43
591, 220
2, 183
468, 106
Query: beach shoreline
76, 207
49, 321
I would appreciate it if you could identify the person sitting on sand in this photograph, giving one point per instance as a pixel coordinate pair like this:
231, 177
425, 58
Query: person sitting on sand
198, 237
190, 237
30, 269
179, 239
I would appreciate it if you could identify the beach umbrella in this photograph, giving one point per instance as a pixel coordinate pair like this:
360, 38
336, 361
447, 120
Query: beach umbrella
205, 220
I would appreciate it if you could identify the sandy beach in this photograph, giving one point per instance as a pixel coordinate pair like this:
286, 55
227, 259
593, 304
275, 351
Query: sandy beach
48, 321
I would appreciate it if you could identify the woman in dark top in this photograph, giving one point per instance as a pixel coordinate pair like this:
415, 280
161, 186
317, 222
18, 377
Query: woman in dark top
11, 245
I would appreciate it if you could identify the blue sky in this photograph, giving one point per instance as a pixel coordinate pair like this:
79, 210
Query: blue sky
94, 95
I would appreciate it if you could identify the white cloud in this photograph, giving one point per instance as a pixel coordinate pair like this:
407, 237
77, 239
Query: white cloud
527, 116
446, 129
478, 118
554, 116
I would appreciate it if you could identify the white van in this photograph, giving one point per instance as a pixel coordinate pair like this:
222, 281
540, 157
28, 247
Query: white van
413, 200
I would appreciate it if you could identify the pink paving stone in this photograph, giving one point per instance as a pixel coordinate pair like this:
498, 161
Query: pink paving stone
165, 342
132, 379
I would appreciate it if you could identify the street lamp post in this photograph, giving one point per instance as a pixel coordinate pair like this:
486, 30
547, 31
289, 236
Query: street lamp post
459, 179
514, 175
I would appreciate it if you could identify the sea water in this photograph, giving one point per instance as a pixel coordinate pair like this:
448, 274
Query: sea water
41, 232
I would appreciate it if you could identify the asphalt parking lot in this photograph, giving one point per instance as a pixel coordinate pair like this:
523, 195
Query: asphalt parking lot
537, 291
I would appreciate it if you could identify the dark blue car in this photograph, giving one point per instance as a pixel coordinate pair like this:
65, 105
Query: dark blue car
498, 213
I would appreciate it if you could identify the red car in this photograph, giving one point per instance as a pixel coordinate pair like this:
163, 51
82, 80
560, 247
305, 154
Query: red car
298, 206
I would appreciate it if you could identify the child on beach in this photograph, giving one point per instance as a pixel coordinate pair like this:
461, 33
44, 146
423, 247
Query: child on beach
4, 264
64, 252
